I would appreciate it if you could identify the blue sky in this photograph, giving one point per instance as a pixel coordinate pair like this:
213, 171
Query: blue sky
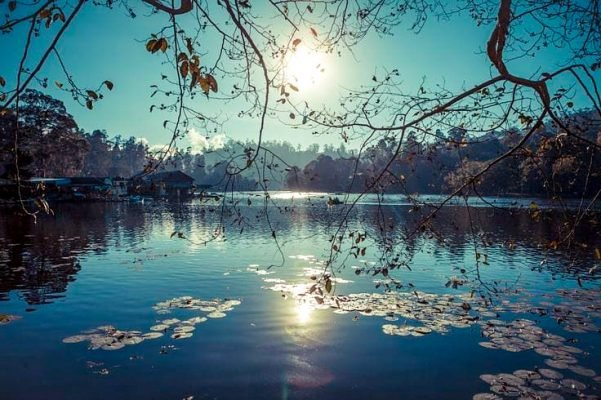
106, 44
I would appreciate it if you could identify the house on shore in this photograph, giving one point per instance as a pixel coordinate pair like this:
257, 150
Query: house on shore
72, 188
169, 184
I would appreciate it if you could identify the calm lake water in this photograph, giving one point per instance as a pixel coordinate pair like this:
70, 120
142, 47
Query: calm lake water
248, 330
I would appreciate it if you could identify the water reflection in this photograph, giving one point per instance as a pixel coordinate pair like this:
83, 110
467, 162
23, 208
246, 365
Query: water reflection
40, 260
303, 312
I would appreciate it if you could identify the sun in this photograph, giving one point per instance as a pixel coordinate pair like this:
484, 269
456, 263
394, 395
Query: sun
304, 68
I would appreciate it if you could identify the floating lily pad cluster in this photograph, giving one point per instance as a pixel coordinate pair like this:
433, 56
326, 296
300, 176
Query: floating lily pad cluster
8, 318
425, 313
522, 334
576, 314
435, 313
547, 384
108, 337
216, 308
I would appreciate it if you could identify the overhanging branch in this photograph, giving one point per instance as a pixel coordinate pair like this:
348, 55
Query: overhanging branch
185, 6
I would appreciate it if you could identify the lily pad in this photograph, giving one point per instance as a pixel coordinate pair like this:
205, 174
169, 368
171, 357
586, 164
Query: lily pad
159, 327
183, 335
8, 318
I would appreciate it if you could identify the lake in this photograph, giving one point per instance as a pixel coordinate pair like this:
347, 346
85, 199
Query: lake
143, 301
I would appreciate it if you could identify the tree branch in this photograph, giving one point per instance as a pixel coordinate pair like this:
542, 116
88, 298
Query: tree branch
185, 7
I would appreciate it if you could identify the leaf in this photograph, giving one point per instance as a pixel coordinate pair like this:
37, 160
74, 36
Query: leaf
194, 79
45, 13
525, 119
292, 116
58, 84
12, 5
183, 69
204, 84
150, 45
598, 253
164, 44
155, 45
313, 32
570, 104
296, 42
108, 84
2, 81
89, 104
92, 94
208, 83
293, 87
212, 83
328, 285
189, 45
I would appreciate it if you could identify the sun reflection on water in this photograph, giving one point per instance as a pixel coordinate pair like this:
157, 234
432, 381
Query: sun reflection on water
303, 312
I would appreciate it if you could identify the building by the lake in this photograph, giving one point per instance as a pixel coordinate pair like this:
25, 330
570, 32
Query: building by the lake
163, 184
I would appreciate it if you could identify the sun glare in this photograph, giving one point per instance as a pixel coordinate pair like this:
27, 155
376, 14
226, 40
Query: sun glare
304, 68
303, 312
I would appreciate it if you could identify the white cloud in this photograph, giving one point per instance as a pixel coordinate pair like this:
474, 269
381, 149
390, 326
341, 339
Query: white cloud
160, 149
143, 141
200, 143
217, 142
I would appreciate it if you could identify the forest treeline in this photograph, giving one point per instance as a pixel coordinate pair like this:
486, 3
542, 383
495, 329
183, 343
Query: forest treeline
550, 163
51, 144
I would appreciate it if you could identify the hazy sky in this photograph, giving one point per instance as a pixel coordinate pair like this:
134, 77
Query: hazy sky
106, 44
